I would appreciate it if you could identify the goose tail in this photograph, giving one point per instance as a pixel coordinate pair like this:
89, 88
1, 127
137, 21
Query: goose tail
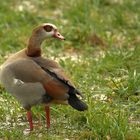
76, 103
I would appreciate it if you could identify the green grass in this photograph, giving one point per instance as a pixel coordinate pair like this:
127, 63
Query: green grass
108, 75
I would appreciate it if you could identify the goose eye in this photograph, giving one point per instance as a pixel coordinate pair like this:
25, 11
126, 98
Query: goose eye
48, 28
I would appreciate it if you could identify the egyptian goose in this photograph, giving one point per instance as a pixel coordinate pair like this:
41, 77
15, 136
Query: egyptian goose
34, 80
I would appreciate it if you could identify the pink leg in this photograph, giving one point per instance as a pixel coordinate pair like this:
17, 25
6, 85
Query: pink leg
47, 110
29, 117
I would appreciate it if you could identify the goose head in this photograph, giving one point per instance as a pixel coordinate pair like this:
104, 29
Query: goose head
47, 30
39, 34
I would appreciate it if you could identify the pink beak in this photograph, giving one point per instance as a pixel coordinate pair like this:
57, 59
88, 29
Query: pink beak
58, 35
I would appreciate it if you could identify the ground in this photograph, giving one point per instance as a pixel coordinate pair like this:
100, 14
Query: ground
102, 55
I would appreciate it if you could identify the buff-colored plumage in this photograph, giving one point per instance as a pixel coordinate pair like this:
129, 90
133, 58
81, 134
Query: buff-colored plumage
33, 79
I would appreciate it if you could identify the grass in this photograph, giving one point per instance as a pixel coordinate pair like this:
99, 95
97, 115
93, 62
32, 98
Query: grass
102, 55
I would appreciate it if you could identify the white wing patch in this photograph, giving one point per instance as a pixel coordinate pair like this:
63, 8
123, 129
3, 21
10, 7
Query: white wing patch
18, 82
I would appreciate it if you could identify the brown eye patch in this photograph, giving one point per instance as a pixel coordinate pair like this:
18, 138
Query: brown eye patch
48, 28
